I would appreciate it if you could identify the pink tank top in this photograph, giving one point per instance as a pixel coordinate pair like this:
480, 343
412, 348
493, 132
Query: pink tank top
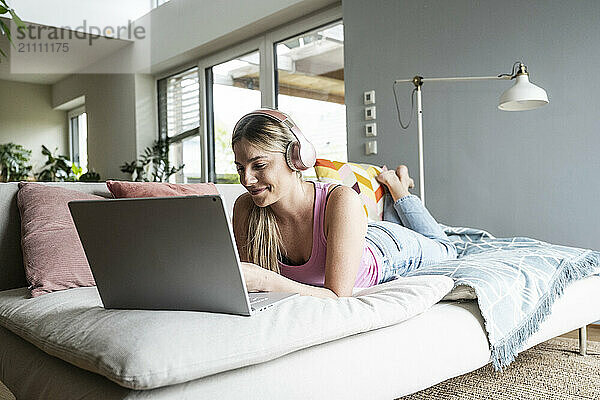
313, 271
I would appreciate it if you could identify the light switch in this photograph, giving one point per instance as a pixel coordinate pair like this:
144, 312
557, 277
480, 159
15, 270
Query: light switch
369, 97
371, 147
370, 113
371, 129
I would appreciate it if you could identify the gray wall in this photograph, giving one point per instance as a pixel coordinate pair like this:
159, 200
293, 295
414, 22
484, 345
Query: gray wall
531, 173
27, 118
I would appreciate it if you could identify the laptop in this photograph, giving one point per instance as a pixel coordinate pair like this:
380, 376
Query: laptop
166, 253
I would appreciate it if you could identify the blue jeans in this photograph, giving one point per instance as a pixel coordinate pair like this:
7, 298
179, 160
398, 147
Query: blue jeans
407, 238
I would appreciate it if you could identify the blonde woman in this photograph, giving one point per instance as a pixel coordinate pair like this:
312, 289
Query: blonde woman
313, 238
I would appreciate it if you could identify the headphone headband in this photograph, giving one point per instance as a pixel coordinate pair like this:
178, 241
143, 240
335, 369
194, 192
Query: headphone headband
301, 154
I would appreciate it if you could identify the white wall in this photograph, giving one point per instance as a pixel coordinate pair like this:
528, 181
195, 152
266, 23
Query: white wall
110, 107
146, 119
121, 115
27, 118
72, 13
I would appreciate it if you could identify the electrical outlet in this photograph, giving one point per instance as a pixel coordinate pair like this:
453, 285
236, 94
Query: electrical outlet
370, 113
371, 147
371, 129
369, 97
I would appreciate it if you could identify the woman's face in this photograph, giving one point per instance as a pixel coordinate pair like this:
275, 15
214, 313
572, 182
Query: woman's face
265, 174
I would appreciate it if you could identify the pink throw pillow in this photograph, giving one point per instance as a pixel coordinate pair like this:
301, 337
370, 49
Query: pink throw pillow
53, 256
121, 189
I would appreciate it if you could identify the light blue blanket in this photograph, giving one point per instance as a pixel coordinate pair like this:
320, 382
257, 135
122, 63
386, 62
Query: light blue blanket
516, 281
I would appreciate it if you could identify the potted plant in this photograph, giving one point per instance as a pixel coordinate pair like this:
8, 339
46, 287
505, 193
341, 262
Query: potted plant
56, 168
14, 162
153, 165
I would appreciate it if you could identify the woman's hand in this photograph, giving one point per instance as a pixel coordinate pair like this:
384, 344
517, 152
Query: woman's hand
256, 277
398, 182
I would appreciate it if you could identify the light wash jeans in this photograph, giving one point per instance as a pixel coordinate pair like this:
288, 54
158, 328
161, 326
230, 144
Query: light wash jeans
407, 238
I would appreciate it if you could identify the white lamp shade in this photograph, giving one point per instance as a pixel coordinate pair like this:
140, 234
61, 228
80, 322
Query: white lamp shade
523, 95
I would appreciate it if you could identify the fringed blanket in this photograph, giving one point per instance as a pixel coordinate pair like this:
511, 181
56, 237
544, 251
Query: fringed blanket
516, 281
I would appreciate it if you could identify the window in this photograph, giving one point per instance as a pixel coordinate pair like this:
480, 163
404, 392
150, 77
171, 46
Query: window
302, 74
234, 90
78, 137
179, 119
310, 87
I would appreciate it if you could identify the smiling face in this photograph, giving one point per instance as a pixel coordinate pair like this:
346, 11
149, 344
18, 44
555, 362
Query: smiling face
265, 174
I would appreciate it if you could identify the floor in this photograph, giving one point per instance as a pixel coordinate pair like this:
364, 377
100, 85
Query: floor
593, 333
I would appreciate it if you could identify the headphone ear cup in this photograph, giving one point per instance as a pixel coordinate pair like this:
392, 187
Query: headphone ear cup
290, 152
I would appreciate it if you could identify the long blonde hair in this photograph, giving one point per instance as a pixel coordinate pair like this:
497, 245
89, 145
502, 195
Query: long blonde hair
263, 241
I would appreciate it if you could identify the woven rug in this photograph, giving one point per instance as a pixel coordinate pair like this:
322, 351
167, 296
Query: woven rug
5, 394
550, 370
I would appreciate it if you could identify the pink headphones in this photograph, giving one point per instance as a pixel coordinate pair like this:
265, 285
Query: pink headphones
300, 154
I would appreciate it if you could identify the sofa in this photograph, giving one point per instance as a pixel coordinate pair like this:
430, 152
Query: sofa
444, 340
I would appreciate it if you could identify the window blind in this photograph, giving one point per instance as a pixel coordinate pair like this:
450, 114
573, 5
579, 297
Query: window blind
178, 100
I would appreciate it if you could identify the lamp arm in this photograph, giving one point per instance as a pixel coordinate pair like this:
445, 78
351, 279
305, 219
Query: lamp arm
461, 78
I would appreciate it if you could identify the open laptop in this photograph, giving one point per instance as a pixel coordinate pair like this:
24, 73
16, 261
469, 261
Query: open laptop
166, 253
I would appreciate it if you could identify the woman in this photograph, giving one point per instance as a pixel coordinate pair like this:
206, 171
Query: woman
312, 238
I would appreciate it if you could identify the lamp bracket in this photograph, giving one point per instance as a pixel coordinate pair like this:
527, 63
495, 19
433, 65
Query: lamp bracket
417, 81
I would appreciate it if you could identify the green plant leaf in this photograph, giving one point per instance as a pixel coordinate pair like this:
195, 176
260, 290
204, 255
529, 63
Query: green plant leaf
16, 18
14, 160
3, 10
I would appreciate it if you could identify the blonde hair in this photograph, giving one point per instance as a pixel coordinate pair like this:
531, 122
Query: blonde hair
263, 241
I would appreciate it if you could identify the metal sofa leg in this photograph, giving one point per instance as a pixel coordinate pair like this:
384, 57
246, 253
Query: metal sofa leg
583, 340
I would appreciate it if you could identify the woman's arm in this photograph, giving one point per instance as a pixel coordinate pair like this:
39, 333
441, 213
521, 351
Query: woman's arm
345, 230
263, 280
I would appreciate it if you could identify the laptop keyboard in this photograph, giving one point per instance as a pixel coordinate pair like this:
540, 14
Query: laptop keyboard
257, 299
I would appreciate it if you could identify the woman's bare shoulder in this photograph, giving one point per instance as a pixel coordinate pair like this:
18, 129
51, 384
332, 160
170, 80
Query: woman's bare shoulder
341, 195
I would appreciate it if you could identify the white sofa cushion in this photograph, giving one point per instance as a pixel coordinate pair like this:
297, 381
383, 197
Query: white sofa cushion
149, 349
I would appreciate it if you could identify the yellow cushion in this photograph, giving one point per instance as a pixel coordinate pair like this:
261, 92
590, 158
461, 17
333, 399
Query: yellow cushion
360, 177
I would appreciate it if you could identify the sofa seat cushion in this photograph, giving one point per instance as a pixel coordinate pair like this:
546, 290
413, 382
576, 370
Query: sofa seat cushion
149, 349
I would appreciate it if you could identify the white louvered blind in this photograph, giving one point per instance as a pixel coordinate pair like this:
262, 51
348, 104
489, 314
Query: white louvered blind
183, 108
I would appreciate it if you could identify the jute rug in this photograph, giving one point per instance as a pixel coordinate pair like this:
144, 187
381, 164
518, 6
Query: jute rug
550, 370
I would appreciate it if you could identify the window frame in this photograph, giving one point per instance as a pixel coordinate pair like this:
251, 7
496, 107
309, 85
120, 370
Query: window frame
206, 107
75, 113
163, 134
